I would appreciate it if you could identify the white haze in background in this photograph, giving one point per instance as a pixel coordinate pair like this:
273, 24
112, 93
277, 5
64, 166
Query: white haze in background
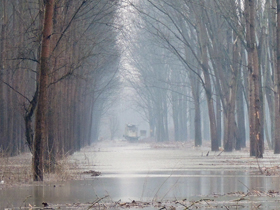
124, 111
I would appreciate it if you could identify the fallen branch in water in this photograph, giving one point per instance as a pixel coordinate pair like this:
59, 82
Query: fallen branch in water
97, 201
177, 202
199, 201
220, 153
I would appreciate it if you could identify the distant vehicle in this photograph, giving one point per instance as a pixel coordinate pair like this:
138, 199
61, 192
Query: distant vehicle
131, 132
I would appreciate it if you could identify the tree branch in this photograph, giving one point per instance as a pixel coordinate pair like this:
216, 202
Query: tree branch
15, 90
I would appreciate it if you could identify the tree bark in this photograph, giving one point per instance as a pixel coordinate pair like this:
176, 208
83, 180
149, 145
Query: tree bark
256, 140
3, 97
219, 119
241, 131
230, 121
208, 89
277, 108
40, 118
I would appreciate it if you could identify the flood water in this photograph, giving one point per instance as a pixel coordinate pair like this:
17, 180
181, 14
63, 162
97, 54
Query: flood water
148, 172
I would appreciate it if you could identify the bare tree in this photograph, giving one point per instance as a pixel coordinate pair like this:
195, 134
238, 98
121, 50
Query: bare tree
256, 142
277, 122
40, 121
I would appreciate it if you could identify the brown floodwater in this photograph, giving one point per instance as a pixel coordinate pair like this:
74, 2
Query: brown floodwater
146, 172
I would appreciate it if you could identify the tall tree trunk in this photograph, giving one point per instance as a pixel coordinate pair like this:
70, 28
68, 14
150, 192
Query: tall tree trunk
269, 93
241, 131
208, 89
230, 122
3, 108
219, 120
273, 52
197, 111
256, 141
277, 108
40, 120
175, 115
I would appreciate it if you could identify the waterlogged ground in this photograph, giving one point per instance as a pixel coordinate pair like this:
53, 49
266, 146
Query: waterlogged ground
155, 176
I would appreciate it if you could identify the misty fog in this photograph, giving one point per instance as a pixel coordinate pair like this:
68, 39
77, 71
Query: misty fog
140, 104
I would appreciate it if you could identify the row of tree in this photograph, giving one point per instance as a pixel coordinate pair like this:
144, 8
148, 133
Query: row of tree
59, 64
224, 52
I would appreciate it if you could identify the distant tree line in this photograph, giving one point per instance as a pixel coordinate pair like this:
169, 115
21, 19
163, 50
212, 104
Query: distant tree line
221, 55
81, 60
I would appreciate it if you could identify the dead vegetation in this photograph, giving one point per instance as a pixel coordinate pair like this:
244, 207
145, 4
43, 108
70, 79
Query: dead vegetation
16, 170
271, 171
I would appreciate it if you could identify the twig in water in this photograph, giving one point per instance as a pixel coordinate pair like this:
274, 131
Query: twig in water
97, 201
154, 199
199, 201
220, 153
24, 201
169, 189
177, 202
244, 185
